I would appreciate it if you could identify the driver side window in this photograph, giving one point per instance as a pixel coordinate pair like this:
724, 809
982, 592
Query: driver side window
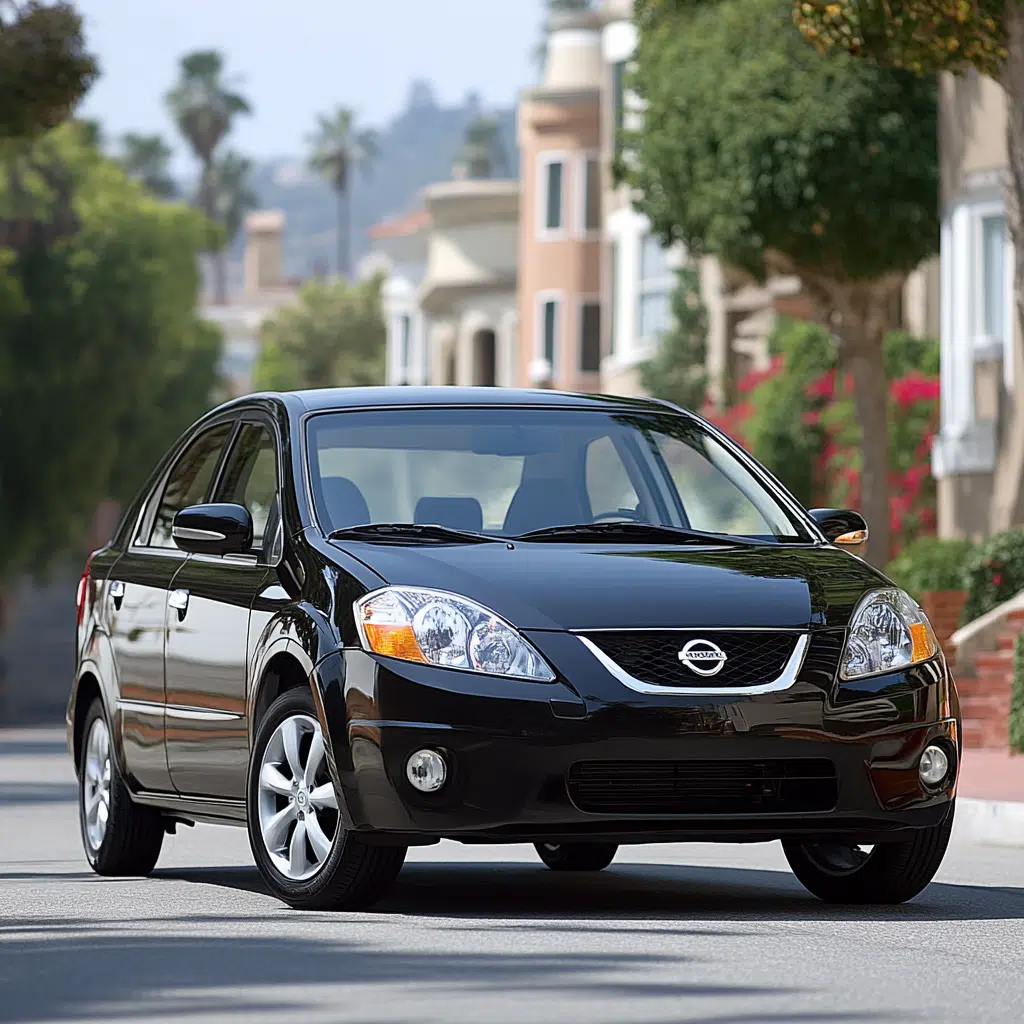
189, 482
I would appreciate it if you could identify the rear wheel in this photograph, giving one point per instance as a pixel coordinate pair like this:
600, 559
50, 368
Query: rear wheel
297, 837
577, 856
884, 874
121, 838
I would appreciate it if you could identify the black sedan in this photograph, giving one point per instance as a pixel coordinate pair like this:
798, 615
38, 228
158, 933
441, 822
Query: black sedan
359, 620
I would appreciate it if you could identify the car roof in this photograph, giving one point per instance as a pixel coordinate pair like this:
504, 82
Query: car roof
326, 399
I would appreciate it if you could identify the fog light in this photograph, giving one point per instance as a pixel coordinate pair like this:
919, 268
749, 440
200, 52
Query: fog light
934, 766
426, 771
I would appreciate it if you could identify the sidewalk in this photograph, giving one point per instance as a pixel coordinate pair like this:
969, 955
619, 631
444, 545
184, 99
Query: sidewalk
990, 797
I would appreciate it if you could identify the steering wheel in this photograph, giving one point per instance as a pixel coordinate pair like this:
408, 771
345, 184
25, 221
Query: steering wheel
622, 515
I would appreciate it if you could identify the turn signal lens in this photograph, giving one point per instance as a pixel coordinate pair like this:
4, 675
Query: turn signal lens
393, 642
922, 648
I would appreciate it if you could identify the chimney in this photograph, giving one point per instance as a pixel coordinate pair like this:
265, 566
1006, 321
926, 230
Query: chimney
264, 251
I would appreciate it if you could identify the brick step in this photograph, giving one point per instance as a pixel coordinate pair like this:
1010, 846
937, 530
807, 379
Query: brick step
987, 708
1008, 639
1017, 616
983, 688
982, 735
995, 677
994, 659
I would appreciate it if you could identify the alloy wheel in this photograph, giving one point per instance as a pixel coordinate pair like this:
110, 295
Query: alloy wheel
298, 807
96, 788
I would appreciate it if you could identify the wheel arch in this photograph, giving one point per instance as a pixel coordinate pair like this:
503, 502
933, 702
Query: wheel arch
87, 689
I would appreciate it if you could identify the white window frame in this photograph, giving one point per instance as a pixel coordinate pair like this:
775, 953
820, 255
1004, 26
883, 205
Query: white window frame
583, 159
584, 301
654, 286
540, 365
982, 345
544, 161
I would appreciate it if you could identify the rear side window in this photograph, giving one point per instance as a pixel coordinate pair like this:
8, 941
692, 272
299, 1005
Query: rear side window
189, 482
250, 477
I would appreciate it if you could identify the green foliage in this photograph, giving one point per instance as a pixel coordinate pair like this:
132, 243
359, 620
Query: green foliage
103, 359
777, 431
677, 371
333, 336
920, 35
146, 158
764, 145
993, 573
929, 563
481, 153
44, 67
233, 196
1017, 697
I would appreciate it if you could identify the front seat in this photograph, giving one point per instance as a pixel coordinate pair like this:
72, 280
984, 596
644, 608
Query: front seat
455, 513
541, 503
344, 503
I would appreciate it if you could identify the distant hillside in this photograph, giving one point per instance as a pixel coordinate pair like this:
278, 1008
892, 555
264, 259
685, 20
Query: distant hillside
417, 149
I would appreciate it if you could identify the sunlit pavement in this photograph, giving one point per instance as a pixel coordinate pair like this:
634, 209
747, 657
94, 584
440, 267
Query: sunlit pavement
481, 934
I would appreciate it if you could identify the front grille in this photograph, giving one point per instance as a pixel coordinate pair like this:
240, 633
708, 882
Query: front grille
789, 786
752, 657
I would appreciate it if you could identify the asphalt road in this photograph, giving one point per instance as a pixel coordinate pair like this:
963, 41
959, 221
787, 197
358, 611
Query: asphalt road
668, 933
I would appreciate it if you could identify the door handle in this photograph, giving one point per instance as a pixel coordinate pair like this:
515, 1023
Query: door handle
179, 602
117, 593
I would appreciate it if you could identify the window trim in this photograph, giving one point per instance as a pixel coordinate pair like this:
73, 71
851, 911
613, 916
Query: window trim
583, 160
584, 301
541, 299
646, 287
982, 344
544, 161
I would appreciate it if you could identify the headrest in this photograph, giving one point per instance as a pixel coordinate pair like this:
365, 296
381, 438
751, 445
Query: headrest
345, 503
456, 513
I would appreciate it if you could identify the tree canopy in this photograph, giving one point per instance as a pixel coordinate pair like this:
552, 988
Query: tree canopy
45, 68
761, 151
333, 336
103, 359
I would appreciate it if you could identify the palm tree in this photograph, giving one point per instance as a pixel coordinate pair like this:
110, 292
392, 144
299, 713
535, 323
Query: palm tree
204, 106
233, 197
146, 158
338, 150
482, 154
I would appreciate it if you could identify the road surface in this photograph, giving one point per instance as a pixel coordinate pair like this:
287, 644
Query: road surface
482, 934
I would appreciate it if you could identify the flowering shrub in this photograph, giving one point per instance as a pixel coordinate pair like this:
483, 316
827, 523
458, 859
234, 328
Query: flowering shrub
797, 418
993, 573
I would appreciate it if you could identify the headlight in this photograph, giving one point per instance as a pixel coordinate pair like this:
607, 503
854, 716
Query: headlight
888, 632
436, 628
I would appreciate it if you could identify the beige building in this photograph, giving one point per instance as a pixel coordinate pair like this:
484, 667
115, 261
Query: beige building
560, 217
264, 290
979, 329
450, 291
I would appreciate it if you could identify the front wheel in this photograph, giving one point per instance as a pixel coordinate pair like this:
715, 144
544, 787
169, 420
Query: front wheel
885, 874
577, 856
296, 833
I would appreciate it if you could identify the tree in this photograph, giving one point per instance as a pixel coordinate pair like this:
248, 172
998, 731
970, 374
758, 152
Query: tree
926, 36
677, 371
44, 66
103, 359
333, 336
146, 158
233, 196
339, 149
205, 106
482, 154
777, 159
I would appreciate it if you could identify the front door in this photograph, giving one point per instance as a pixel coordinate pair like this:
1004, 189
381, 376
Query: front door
136, 610
208, 633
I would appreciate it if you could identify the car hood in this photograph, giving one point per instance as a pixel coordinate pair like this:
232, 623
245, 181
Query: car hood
556, 586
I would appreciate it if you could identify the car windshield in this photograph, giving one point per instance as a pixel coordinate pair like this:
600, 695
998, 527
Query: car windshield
510, 472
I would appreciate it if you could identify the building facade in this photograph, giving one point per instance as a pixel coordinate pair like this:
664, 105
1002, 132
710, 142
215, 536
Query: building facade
979, 328
559, 130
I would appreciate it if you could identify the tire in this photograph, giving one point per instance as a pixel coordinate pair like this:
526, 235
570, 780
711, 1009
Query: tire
121, 838
576, 856
891, 873
298, 840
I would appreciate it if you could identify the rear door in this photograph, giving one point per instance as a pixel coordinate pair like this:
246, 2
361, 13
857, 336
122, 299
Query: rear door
208, 630
136, 597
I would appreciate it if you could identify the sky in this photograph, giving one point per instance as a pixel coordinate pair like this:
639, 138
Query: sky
298, 59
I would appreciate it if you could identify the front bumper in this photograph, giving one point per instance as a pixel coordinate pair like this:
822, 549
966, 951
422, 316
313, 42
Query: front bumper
511, 747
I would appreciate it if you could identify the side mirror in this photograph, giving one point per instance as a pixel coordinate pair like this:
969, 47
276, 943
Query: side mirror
213, 529
841, 526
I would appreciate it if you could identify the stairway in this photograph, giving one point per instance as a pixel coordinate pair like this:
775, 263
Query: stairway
985, 697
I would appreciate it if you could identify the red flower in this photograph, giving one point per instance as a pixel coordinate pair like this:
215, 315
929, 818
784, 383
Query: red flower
997, 579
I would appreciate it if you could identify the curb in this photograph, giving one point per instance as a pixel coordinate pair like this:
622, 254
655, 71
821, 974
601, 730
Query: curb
998, 822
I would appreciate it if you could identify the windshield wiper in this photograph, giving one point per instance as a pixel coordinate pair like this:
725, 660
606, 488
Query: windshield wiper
407, 532
629, 531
